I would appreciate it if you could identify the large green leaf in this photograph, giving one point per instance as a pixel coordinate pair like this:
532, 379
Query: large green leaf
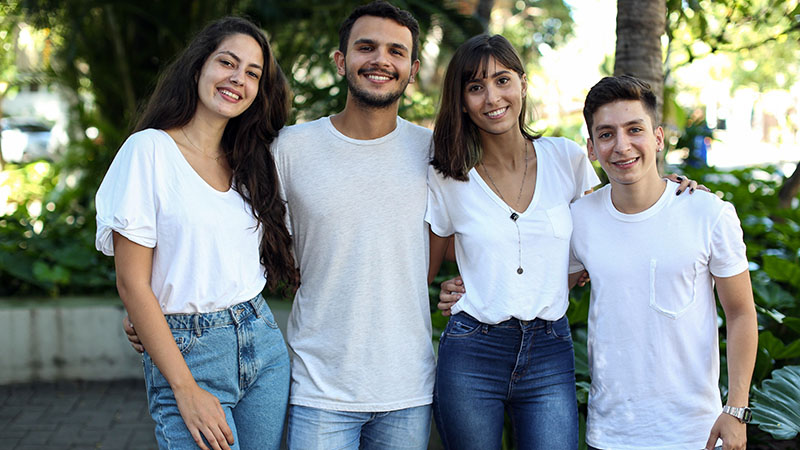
776, 405
782, 270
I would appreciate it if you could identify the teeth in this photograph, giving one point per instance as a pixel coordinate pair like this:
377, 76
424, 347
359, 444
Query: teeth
622, 163
229, 93
497, 112
378, 77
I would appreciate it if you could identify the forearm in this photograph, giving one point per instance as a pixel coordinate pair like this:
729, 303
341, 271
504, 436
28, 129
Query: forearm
156, 337
741, 351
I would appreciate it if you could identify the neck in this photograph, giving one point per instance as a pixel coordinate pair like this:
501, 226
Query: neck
506, 150
639, 196
205, 132
359, 122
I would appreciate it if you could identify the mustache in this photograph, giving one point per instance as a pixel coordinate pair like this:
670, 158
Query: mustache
375, 70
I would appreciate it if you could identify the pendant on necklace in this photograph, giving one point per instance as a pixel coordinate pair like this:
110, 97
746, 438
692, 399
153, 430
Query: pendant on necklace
514, 216
519, 270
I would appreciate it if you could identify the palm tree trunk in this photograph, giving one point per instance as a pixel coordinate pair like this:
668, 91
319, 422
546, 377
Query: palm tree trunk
640, 25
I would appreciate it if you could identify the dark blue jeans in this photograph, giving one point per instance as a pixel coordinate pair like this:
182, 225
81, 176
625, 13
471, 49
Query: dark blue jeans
524, 367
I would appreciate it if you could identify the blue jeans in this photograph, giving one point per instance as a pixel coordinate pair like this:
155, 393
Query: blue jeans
239, 356
323, 429
526, 368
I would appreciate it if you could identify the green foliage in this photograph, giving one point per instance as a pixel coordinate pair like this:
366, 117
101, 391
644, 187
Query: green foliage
775, 404
760, 35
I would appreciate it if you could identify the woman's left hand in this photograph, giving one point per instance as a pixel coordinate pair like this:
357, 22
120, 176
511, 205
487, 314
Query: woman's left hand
685, 183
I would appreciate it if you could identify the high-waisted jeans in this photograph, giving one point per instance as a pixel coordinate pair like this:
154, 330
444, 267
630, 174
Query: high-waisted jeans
526, 368
239, 356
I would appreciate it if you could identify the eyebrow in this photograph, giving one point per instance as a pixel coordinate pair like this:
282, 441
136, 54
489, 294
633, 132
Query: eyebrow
239, 60
375, 43
494, 75
603, 126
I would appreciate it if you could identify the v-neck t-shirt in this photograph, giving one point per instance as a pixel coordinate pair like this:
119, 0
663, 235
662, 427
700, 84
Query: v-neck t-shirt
488, 248
205, 242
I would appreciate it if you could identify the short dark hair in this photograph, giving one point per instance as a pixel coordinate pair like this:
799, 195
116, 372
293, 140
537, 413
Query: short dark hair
380, 8
456, 139
623, 87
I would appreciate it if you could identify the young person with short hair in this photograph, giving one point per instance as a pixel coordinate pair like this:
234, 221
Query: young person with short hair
654, 259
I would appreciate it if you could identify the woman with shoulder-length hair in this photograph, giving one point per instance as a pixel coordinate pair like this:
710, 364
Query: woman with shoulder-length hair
190, 210
504, 192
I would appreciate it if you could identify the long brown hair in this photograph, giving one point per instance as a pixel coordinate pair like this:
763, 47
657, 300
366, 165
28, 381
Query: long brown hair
246, 138
456, 139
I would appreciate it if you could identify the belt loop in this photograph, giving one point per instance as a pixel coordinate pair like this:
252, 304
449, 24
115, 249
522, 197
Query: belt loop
548, 326
485, 328
254, 304
197, 330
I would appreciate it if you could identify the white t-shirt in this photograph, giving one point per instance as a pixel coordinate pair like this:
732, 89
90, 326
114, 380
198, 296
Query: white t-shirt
486, 241
653, 346
360, 330
206, 255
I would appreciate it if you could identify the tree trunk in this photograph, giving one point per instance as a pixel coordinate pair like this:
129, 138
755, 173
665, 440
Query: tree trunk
790, 189
484, 13
640, 25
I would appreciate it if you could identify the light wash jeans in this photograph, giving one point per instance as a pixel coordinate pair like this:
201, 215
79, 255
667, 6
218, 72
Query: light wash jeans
239, 356
526, 368
322, 429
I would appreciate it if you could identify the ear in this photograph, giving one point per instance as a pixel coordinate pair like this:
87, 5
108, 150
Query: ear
590, 150
414, 70
339, 59
524, 86
659, 132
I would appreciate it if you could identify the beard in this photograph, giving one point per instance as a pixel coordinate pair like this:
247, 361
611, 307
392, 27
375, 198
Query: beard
368, 99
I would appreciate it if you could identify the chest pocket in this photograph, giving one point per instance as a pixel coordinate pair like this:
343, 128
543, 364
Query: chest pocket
561, 221
671, 305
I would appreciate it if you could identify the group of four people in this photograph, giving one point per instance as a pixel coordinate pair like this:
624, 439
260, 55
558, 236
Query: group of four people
212, 199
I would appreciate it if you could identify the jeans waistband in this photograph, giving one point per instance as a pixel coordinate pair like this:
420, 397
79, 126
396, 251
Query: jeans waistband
231, 316
513, 322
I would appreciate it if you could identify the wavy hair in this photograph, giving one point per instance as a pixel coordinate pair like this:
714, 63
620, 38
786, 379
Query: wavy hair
246, 139
613, 89
456, 139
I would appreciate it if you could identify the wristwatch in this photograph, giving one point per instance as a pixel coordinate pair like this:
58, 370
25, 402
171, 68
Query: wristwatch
743, 414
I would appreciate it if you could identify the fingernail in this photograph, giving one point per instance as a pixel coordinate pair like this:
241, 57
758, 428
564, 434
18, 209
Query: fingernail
691, 191
678, 192
680, 178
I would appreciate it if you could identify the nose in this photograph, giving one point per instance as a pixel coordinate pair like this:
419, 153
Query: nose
492, 94
381, 58
237, 76
623, 142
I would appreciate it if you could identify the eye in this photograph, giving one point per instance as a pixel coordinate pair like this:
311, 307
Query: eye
397, 52
605, 135
365, 48
253, 75
636, 129
503, 80
226, 63
474, 88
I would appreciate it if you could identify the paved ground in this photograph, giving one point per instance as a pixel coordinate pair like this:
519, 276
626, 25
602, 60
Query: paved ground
75, 415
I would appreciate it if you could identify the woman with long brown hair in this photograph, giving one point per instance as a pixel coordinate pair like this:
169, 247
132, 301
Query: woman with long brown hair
190, 210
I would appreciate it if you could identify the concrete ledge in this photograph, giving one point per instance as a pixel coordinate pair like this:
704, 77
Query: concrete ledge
72, 339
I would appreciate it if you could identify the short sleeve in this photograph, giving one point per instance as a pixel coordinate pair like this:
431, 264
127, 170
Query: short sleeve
280, 168
582, 169
125, 201
436, 214
728, 251
575, 265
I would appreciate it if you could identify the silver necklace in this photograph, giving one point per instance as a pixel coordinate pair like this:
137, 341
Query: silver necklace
514, 215
215, 158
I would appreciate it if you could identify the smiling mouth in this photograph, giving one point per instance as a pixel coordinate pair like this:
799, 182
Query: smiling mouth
377, 75
497, 113
625, 163
229, 94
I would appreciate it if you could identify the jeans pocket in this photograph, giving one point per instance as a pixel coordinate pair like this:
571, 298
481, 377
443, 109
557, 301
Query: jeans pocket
561, 330
682, 282
185, 340
457, 328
